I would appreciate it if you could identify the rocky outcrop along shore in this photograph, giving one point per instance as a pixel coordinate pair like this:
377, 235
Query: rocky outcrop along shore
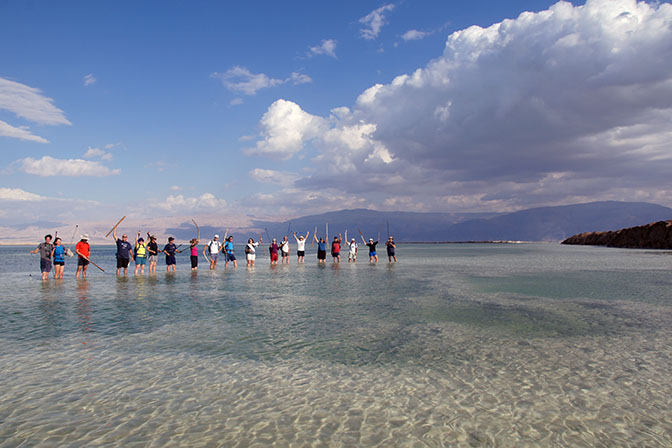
656, 235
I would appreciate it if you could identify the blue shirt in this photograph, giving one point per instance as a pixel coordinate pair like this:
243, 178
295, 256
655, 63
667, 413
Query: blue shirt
59, 254
124, 249
322, 247
228, 247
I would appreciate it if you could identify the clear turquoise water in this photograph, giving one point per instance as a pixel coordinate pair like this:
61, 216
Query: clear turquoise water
467, 345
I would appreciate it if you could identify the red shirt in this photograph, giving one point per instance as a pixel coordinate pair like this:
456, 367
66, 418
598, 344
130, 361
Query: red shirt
83, 248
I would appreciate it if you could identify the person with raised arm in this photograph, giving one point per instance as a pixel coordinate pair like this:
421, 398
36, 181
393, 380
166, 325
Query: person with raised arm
274, 250
229, 253
301, 246
124, 252
153, 251
193, 254
336, 248
45, 250
373, 256
83, 251
352, 253
251, 251
140, 254
321, 249
391, 247
284, 250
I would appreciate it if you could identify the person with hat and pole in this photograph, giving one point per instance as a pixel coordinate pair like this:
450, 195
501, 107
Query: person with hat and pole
83, 251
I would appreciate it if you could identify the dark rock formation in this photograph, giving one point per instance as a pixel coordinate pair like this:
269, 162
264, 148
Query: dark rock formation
656, 235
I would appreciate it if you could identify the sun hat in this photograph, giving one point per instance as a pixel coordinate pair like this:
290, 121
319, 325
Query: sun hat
85, 237
216, 236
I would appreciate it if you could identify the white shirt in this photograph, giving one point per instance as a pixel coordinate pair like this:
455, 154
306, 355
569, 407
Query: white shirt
214, 246
353, 248
252, 247
301, 245
284, 245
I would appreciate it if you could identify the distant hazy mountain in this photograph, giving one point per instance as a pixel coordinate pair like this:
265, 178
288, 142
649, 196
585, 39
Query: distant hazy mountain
558, 223
537, 224
404, 226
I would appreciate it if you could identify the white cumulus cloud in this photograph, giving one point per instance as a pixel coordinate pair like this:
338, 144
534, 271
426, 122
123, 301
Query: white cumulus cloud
285, 129
205, 202
49, 166
565, 104
17, 194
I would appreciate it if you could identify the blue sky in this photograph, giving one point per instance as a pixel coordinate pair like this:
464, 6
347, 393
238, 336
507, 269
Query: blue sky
229, 111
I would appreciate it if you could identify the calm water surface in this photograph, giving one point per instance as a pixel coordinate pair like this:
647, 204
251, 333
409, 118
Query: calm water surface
455, 345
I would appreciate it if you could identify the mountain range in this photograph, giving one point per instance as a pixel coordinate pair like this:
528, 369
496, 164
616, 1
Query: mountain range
535, 224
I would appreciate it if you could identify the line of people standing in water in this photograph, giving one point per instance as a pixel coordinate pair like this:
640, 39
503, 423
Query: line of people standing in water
146, 253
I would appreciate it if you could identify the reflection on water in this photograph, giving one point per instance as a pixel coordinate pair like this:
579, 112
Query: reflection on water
474, 345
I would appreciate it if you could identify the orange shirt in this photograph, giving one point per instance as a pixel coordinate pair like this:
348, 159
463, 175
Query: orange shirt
83, 248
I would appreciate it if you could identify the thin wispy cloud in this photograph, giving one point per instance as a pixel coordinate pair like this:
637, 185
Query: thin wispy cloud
327, 47
28, 103
49, 166
374, 21
97, 153
241, 80
21, 133
415, 35
89, 79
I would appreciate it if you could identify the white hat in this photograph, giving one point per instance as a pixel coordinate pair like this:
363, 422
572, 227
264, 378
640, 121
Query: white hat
85, 236
216, 236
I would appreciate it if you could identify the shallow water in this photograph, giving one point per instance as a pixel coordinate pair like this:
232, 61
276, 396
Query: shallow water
466, 345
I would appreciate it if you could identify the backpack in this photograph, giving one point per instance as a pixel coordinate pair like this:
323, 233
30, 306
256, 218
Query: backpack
247, 249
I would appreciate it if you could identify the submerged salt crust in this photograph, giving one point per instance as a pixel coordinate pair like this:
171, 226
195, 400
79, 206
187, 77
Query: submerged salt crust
467, 345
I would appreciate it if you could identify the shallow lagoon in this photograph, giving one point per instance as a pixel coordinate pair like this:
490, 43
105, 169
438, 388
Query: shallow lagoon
472, 345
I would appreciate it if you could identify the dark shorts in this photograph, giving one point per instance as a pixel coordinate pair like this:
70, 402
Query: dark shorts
285, 254
82, 262
372, 254
230, 257
321, 254
194, 261
274, 257
170, 260
122, 262
335, 254
45, 265
390, 253
300, 253
59, 263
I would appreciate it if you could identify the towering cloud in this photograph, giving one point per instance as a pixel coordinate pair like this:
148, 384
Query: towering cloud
549, 107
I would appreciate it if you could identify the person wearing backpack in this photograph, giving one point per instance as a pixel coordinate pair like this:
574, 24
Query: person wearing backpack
214, 246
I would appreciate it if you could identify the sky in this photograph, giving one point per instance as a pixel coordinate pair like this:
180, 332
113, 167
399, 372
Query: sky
228, 112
